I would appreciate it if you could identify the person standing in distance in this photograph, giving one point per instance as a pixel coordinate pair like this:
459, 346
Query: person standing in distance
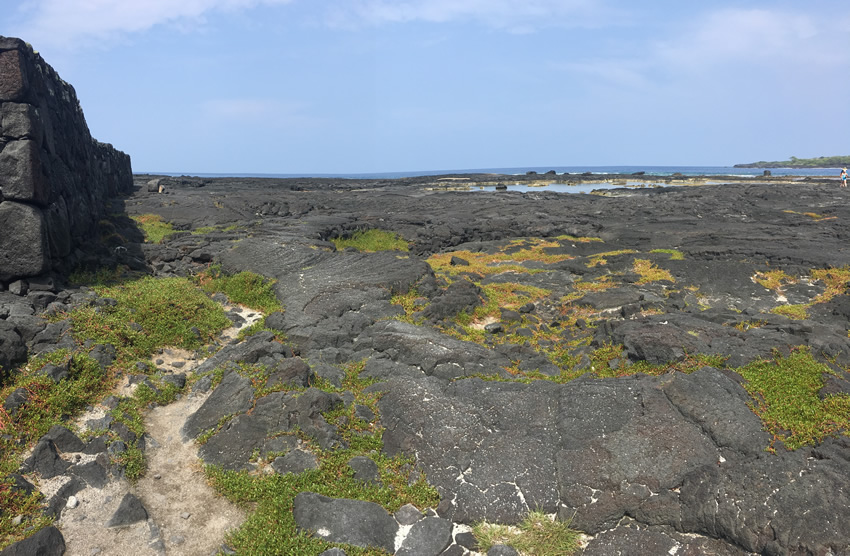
843, 177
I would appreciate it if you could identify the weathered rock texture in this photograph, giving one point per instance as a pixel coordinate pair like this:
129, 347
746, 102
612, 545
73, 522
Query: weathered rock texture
54, 177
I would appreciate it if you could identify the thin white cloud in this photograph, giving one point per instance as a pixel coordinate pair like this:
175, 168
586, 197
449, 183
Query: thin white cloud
265, 112
62, 22
761, 39
725, 49
512, 15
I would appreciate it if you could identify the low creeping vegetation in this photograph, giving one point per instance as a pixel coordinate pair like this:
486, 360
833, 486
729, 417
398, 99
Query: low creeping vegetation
149, 313
648, 272
371, 241
244, 288
137, 316
835, 281
785, 391
675, 255
774, 279
154, 227
270, 527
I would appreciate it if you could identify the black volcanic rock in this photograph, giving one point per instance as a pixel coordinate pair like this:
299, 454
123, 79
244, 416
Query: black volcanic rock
56, 179
347, 521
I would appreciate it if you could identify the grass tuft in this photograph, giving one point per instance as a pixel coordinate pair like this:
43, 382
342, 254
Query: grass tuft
537, 535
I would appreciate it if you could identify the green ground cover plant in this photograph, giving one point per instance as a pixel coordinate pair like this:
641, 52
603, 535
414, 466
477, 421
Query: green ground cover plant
149, 313
371, 241
48, 404
602, 258
600, 284
411, 302
144, 314
245, 288
574, 239
154, 227
270, 526
675, 255
798, 312
212, 229
785, 394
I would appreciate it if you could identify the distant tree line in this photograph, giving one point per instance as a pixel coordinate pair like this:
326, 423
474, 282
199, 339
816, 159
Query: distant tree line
794, 162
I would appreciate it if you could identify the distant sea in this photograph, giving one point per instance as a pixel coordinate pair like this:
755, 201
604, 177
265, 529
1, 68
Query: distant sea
649, 170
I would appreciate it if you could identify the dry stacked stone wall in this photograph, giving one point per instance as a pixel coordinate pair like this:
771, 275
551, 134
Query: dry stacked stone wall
55, 178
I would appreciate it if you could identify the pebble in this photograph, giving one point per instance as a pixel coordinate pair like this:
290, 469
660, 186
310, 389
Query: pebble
72, 502
17, 520
185, 515
157, 476
95, 551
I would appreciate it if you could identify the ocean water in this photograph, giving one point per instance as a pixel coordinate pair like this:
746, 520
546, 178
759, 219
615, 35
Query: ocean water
649, 170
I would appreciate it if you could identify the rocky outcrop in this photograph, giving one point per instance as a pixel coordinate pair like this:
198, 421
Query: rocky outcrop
54, 177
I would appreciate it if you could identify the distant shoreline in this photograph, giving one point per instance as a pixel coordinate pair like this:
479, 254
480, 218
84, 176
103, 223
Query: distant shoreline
542, 171
771, 165
820, 162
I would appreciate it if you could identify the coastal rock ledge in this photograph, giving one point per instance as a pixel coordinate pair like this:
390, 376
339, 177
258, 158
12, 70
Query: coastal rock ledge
55, 179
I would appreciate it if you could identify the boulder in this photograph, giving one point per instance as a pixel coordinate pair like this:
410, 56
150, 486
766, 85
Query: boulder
130, 511
45, 460
341, 520
12, 349
428, 537
64, 439
23, 244
295, 461
461, 295
45, 542
232, 396
233, 445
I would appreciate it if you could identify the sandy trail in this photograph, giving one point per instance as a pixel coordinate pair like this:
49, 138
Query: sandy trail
185, 515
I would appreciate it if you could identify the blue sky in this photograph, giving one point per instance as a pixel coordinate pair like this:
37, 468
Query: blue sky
346, 86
